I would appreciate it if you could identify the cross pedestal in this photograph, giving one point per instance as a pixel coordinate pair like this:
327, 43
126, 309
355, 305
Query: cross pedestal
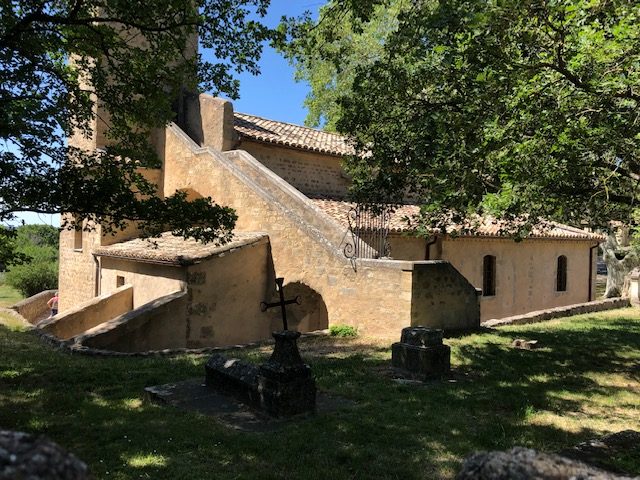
285, 383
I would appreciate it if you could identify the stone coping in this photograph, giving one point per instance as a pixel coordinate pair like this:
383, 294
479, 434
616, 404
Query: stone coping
559, 312
71, 346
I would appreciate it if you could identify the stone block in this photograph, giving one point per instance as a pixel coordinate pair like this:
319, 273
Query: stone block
283, 394
421, 362
281, 387
232, 376
285, 383
421, 353
421, 336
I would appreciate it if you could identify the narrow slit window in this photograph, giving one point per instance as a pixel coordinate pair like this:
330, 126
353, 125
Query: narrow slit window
119, 281
77, 239
489, 276
561, 274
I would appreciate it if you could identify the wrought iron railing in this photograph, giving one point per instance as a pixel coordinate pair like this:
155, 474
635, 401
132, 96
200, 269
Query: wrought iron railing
369, 229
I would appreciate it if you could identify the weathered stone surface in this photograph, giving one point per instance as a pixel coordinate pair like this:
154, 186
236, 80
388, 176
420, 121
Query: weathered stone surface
234, 377
421, 336
285, 384
25, 456
421, 362
526, 464
421, 353
559, 312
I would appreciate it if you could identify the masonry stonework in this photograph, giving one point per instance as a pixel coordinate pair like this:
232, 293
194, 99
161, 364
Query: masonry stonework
314, 174
525, 272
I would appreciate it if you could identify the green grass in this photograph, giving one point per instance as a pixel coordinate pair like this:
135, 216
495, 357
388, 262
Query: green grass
9, 295
583, 382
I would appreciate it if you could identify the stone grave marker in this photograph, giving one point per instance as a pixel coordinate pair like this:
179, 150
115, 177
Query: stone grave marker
420, 354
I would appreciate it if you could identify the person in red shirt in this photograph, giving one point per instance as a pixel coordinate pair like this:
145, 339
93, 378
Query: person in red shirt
53, 304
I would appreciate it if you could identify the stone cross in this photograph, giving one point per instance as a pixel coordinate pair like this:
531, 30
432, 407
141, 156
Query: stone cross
282, 303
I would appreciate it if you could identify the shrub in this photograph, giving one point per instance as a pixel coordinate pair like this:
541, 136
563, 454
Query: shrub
343, 331
33, 278
38, 268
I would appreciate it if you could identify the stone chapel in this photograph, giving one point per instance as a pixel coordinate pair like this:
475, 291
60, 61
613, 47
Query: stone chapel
289, 190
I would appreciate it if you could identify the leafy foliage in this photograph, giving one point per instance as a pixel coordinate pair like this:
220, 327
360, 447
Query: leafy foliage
523, 109
326, 55
343, 331
58, 57
37, 246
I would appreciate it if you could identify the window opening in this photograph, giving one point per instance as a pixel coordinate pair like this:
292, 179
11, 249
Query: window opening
489, 276
561, 274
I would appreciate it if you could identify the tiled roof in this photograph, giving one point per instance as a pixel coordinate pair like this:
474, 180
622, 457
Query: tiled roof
172, 250
290, 135
402, 221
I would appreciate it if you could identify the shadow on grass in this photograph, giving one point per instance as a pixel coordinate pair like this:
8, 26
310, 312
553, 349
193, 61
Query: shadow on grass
95, 407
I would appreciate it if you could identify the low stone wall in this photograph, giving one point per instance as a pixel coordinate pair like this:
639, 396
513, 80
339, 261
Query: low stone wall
157, 325
442, 298
34, 307
559, 312
89, 314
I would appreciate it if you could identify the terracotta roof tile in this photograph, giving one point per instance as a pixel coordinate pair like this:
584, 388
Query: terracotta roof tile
290, 135
401, 221
172, 250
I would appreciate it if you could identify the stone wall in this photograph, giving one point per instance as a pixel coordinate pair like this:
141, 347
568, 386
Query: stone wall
220, 305
33, 308
157, 325
150, 281
89, 314
560, 312
525, 272
314, 174
372, 295
77, 268
407, 247
225, 294
442, 298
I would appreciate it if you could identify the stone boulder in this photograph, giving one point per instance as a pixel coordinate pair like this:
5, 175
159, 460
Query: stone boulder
28, 457
526, 464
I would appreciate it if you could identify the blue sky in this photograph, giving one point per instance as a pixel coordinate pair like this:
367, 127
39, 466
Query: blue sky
273, 94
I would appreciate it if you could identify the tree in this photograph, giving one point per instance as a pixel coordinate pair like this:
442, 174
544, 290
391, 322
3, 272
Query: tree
527, 109
37, 245
519, 109
326, 55
61, 62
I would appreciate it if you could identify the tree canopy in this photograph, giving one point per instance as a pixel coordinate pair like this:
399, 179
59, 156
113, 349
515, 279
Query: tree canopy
61, 60
519, 108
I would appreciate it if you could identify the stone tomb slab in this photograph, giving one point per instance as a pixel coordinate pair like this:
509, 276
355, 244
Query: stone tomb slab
195, 396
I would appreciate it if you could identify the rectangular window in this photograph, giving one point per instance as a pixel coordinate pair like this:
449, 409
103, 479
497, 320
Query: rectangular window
561, 274
77, 240
489, 276
119, 281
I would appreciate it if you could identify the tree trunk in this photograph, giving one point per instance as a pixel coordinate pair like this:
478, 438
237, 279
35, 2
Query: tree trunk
618, 270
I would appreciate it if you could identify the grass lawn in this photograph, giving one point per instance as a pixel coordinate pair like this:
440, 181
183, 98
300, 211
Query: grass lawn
584, 382
9, 295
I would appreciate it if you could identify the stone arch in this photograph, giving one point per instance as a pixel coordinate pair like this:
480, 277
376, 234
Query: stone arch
311, 314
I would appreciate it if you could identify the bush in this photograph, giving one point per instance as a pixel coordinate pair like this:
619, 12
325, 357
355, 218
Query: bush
343, 331
38, 270
33, 278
